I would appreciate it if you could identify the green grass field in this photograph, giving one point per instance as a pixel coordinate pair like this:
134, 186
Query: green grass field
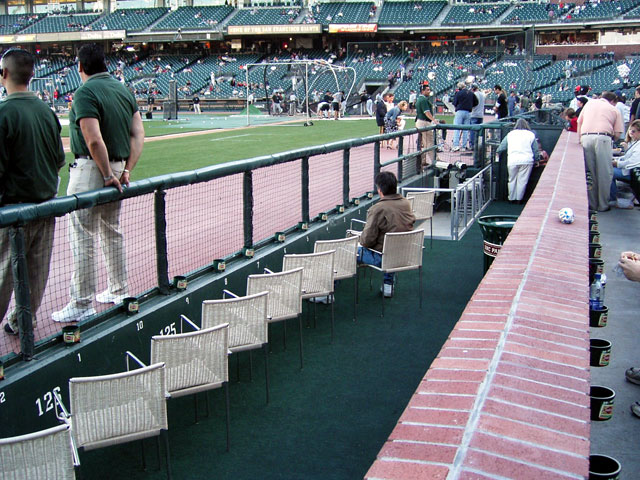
188, 153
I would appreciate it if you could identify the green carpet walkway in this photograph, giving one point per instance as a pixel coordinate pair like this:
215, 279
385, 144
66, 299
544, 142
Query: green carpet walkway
329, 420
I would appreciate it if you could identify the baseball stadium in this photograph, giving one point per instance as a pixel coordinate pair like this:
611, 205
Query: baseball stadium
267, 138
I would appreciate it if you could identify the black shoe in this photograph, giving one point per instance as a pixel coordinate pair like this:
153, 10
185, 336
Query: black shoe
9, 330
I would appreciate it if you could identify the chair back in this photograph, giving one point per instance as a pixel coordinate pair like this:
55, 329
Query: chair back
422, 204
246, 316
402, 251
195, 361
346, 257
317, 276
111, 409
285, 289
44, 454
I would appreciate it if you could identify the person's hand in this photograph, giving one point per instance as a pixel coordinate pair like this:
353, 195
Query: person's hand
113, 182
630, 265
124, 178
614, 163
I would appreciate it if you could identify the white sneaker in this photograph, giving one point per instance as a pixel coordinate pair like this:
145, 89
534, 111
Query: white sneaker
455, 149
108, 297
70, 313
387, 290
327, 299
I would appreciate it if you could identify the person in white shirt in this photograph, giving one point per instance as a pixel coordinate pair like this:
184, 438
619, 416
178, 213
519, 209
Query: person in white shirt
521, 147
625, 111
631, 159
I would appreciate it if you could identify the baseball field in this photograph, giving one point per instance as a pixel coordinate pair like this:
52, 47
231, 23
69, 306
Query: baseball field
193, 142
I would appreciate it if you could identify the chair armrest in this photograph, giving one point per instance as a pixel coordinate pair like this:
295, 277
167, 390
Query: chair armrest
183, 318
355, 220
128, 355
353, 233
226, 292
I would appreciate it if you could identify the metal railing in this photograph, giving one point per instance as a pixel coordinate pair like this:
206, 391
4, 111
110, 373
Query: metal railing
190, 222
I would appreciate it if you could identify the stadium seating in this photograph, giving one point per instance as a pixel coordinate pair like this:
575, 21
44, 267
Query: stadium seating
474, 14
525, 13
14, 23
62, 23
341, 12
265, 16
602, 10
410, 13
132, 20
194, 18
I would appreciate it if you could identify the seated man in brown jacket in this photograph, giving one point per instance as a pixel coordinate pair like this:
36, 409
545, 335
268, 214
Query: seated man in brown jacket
391, 214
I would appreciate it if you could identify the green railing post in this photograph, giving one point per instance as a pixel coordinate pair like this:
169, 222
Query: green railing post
247, 210
20, 273
400, 146
160, 222
304, 180
376, 162
346, 154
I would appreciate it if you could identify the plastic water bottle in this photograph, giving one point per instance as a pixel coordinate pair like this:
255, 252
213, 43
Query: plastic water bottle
596, 300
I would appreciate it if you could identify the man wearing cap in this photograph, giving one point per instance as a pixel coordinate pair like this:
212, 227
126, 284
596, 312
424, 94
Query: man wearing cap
599, 123
107, 136
424, 118
31, 154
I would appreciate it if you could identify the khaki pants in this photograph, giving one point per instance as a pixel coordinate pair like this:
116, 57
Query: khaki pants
597, 158
38, 240
427, 141
85, 226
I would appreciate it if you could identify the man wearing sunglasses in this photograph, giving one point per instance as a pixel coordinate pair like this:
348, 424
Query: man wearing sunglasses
31, 154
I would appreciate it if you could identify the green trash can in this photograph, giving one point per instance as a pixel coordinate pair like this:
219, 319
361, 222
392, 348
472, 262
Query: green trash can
495, 229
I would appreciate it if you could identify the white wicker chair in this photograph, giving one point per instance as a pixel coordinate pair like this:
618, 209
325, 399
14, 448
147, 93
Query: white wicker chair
40, 455
317, 276
195, 362
123, 407
422, 207
345, 262
285, 297
248, 327
402, 251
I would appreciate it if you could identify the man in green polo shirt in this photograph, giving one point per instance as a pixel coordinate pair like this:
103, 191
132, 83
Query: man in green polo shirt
424, 118
107, 136
31, 154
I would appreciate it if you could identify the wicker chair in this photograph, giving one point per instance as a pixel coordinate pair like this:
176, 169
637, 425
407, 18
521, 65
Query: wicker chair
402, 251
48, 453
248, 327
423, 208
285, 297
111, 409
345, 262
195, 362
317, 276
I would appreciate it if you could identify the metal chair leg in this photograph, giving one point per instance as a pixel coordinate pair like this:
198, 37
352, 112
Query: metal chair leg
382, 296
355, 297
431, 233
332, 322
301, 353
284, 335
144, 460
265, 347
165, 435
420, 284
226, 397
